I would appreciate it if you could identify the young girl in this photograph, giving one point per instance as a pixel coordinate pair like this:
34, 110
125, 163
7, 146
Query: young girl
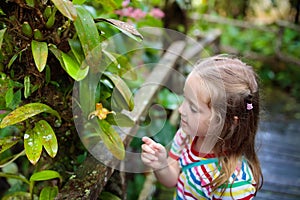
213, 153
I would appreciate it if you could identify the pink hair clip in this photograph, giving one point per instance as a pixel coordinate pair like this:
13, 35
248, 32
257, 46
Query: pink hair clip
249, 106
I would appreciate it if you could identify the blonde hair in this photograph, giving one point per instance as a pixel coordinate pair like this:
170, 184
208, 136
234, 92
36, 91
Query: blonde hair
232, 85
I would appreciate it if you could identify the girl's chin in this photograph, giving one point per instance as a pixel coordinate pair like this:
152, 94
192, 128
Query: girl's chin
188, 131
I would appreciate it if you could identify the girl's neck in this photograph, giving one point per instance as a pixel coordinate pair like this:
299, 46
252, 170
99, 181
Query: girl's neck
196, 146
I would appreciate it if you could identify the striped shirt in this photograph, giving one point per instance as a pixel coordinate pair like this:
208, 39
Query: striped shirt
197, 172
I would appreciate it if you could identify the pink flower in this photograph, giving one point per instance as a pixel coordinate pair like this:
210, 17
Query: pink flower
157, 13
125, 3
138, 14
126, 12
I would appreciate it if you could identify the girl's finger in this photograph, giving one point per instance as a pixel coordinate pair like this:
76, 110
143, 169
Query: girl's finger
148, 149
148, 141
158, 147
150, 157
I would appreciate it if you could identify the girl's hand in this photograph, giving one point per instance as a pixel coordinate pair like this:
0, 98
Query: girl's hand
154, 154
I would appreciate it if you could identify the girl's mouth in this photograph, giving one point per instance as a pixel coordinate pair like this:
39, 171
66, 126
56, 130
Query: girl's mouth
183, 122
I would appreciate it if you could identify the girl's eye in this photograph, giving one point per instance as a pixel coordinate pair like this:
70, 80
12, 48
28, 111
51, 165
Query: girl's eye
193, 109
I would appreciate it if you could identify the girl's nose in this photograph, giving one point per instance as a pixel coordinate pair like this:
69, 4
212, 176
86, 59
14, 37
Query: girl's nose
180, 109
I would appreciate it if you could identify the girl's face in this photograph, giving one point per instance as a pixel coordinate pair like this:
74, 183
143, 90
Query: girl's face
195, 112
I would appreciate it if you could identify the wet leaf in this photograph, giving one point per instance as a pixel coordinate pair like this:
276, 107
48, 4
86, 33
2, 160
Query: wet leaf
47, 137
33, 146
89, 38
124, 27
2, 31
24, 112
86, 30
123, 89
7, 142
45, 175
66, 8
48, 193
111, 139
40, 54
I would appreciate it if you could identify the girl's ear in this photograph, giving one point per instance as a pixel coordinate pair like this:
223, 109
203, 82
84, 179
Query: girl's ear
235, 120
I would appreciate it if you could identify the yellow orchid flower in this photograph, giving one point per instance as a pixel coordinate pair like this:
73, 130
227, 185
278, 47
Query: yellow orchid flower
100, 112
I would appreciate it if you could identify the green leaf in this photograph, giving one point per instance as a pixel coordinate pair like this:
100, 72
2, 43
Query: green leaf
107, 195
72, 67
14, 176
40, 54
111, 139
120, 119
12, 60
123, 89
9, 95
24, 112
27, 91
7, 142
124, 27
58, 54
69, 64
30, 3
66, 8
89, 38
2, 31
120, 65
78, 2
33, 145
45, 175
48, 74
13, 99
47, 137
76, 49
86, 30
48, 193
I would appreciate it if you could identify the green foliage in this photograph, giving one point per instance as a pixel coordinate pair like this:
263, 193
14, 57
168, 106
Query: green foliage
51, 36
47, 193
45, 48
